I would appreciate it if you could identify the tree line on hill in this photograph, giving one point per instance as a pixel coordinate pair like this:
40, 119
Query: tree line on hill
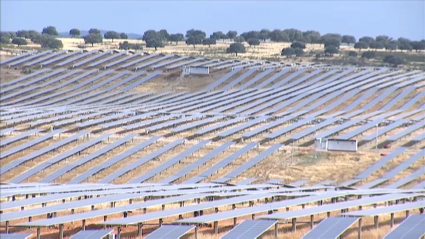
331, 42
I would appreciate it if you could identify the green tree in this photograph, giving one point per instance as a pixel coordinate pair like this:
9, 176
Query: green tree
176, 38
51, 42
149, 34
418, 45
333, 39
279, 36
74, 32
197, 34
195, 37
50, 30
32, 34
127, 46
368, 55
298, 52
404, 44
232, 34
22, 34
251, 34
383, 39
348, 39
164, 35
394, 60
264, 34
111, 35
239, 39
5, 39
376, 45
95, 31
154, 42
298, 44
352, 54
391, 45
367, 40
294, 35
332, 42
93, 38
361, 45
123, 36
253, 42
236, 48
331, 50
209, 41
19, 41
288, 52
312, 37
218, 36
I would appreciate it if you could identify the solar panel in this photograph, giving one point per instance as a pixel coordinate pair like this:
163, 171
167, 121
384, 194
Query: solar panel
150, 76
264, 154
239, 79
29, 144
47, 57
26, 59
15, 235
114, 63
61, 58
218, 126
289, 128
90, 59
187, 209
388, 209
169, 62
113, 56
411, 227
91, 234
249, 229
413, 101
361, 99
255, 209
404, 165
197, 163
75, 58
18, 137
225, 161
379, 98
141, 161
331, 227
149, 63
170, 232
206, 62
241, 127
6, 131
337, 206
272, 78
169, 163
114, 160
222, 79
175, 66
66, 168
5, 61
401, 182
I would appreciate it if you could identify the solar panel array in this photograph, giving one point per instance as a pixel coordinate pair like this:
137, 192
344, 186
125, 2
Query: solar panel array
220, 134
249, 229
331, 227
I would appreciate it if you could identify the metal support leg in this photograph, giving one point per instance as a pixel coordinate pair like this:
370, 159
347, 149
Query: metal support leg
392, 220
60, 231
84, 225
311, 221
376, 221
360, 229
294, 224
276, 230
38, 233
140, 230
216, 227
